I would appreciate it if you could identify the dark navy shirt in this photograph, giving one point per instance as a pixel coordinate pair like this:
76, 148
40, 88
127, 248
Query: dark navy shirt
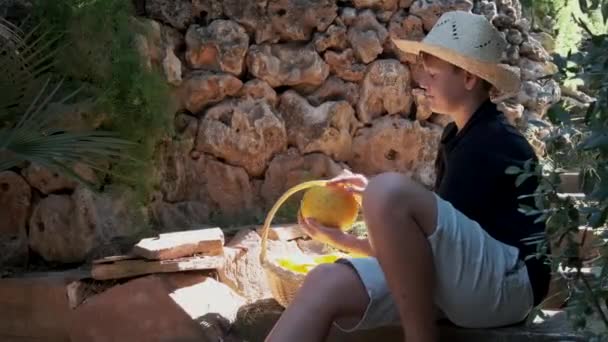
471, 166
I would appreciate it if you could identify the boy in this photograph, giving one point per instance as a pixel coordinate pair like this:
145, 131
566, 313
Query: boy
455, 253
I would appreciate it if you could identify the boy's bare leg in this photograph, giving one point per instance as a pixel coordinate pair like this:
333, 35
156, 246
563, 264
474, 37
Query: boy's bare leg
400, 214
330, 292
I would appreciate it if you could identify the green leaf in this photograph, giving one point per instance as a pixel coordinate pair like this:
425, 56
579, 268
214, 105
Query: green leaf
583, 6
588, 210
10, 33
531, 256
538, 194
513, 170
600, 193
556, 222
525, 208
588, 180
558, 114
528, 165
573, 215
522, 178
600, 189
539, 201
528, 210
30, 136
598, 218
595, 140
22, 63
541, 218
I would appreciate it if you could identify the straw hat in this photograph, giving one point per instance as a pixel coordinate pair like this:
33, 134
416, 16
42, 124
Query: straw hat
470, 42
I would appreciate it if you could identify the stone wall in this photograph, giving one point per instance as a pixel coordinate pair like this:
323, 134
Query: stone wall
271, 93
275, 92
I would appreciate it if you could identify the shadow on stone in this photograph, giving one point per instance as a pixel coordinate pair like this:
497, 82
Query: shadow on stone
213, 324
254, 322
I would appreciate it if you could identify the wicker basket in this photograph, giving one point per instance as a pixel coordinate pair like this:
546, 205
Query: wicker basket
284, 283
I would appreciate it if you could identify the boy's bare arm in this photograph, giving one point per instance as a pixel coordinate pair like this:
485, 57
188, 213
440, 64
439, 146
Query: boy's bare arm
335, 237
354, 245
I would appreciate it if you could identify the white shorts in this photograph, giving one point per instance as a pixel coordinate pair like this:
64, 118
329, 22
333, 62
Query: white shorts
480, 281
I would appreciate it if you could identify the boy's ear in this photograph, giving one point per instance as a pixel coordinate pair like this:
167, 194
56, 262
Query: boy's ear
470, 80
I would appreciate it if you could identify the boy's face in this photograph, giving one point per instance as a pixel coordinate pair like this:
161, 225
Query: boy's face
445, 84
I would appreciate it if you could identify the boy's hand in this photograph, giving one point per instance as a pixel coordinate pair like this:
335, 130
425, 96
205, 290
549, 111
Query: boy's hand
331, 236
335, 237
351, 182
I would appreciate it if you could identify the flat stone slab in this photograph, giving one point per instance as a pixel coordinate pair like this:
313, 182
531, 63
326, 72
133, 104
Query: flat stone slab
139, 310
131, 268
34, 307
208, 241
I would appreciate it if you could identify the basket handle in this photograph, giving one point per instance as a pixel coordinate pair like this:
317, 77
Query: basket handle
277, 205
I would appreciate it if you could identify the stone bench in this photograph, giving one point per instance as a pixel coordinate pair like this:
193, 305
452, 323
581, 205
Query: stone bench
254, 321
186, 307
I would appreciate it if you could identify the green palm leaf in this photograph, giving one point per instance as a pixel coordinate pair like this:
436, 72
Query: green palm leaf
27, 132
24, 59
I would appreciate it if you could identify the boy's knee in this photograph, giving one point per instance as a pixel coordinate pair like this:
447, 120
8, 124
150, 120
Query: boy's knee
392, 198
387, 191
333, 275
331, 280
338, 286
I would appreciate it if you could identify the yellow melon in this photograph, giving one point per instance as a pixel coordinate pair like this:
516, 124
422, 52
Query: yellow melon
329, 206
332, 207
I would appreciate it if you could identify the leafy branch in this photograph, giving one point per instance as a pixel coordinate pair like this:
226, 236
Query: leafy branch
578, 142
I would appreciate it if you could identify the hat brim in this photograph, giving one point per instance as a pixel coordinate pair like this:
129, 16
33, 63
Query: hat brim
501, 76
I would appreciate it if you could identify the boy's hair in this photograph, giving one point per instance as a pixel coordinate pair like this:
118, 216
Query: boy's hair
485, 85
